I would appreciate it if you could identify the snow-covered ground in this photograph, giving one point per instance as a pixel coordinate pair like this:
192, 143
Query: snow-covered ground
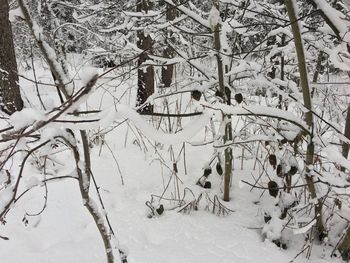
65, 232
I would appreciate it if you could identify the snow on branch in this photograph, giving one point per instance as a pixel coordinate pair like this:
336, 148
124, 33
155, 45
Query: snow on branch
104, 118
48, 52
260, 111
332, 17
189, 13
23, 120
123, 111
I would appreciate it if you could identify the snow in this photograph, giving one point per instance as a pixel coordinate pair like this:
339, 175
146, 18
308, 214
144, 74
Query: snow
305, 228
273, 228
200, 236
334, 155
256, 110
121, 112
184, 135
214, 17
280, 30
333, 15
66, 232
339, 62
149, 13
237, 27
144, 151
242, 66
189, 13
26, 117
15, 14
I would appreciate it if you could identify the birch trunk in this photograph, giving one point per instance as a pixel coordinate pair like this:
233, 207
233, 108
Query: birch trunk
226, 119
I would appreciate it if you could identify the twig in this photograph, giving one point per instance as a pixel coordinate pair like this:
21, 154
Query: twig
116, 161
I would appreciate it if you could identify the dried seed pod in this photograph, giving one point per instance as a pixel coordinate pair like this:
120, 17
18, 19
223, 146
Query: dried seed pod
196, 95
280, 244
219, 169
207, 185
322, 235
267, 218
273, 188
273, 160
207, 171
160, 209
175, 167
200, 183
239, 98
218, 93
338, 203
293, 170
284, 141
279, 171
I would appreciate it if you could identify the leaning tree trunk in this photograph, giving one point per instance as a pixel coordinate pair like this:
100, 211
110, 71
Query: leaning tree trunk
10, 96
345, 145
84, 175
145, 77
226, 119
291, 9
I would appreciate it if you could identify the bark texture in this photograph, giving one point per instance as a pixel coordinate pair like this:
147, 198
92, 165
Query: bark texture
299, 47
145, 75
226, 119
167, 71
344, 246
10, 95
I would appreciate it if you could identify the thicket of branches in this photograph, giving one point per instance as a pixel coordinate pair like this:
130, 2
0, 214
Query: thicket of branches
268, 78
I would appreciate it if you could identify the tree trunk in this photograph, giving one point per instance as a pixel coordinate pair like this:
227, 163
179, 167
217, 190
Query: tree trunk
145, 76
167, 71
347, 135
320, 59
84, 175
226, 95
308, 115
344, 247
10, 96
